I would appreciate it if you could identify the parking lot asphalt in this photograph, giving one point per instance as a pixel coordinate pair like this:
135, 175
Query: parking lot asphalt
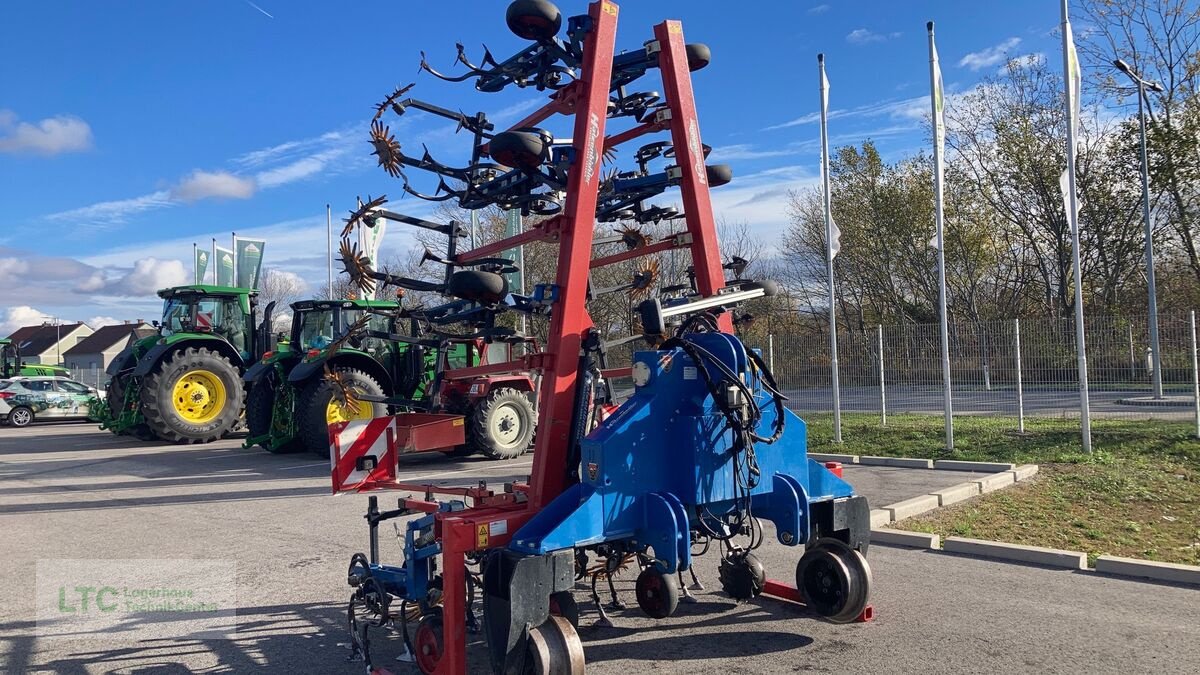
70, 491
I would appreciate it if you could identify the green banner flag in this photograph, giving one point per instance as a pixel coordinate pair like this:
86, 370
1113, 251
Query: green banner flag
201, 265
224, 266
249, 261
512, 227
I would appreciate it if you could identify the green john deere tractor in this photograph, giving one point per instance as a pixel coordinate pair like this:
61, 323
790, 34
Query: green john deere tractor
291, 402
184, 385
11, 364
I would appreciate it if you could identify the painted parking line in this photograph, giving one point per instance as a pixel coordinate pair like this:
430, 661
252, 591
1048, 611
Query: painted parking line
304, 466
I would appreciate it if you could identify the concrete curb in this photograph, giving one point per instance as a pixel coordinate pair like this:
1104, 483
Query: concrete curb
906, 539
1024, 471
880, 517
1049, 557
902, 462
826, 457
1146, 569
957, 493
995, 481
912, 507
957, 465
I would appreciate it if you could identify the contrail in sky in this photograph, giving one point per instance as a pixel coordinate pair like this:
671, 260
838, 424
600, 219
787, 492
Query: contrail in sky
259, 9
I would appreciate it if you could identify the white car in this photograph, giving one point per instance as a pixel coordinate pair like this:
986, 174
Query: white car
25, 399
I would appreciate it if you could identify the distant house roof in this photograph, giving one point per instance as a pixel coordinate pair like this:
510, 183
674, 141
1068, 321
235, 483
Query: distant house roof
108, 337
34, 340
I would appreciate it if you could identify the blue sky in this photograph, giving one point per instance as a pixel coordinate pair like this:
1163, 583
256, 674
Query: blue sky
130, 130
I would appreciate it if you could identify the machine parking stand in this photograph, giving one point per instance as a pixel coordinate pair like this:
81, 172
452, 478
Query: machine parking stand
703, 453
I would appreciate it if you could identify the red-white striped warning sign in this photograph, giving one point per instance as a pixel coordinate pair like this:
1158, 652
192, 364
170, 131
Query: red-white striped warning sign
362, 451
203, 320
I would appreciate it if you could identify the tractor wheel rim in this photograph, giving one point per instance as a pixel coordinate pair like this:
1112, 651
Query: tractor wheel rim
199, 396
506, 425
336, 412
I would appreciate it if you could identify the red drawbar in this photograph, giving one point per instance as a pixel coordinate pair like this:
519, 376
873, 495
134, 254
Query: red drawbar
835, 468
779, 589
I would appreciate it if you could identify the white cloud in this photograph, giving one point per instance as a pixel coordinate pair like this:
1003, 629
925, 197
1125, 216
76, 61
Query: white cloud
899, 109
743, 151
213, 184
147, 277
12, 269
19, 316
51, 136
990, 56
97, 322
94, 282
298, 170
819, 9
107, 214
862, 36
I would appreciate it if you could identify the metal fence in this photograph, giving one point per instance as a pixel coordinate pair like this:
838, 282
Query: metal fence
1017, 369
92, 377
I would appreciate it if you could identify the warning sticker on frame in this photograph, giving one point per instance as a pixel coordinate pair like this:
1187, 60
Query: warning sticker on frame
481, 536
689, 372
498, 527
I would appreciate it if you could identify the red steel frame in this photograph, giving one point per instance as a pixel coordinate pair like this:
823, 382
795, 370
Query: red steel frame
471, 530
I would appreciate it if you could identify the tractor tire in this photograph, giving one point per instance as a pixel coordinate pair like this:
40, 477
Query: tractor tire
316, 408
502, 424
194, 395
260, 413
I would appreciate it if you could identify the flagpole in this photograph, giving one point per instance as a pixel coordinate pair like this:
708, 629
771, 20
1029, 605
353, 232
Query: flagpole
194, 268
937, 104
329, 251
212, 262
233, 241
1071, 80
829, 252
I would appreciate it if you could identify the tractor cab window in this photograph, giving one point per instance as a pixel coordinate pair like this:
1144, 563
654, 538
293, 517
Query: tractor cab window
220, 316
497, 352
458, 355
317, 330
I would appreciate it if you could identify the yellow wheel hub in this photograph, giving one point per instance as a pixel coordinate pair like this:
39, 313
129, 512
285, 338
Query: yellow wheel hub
336, 412
199, 396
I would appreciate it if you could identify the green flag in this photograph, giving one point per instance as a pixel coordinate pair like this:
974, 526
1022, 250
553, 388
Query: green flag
201, 265
224, 267
249, 261
514, 226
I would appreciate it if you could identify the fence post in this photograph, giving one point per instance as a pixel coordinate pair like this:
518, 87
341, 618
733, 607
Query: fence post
1132, 358
1195, 374
771, 352
882, 389
1020, 390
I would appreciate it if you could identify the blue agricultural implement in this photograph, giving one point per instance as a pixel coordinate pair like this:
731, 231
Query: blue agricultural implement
703, 455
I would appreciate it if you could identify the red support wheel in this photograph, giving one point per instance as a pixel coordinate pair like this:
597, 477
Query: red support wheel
427, 642
657, 593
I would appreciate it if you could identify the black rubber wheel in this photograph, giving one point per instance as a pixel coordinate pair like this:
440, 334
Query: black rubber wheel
260, 413
743, 576
563, 604
519, 149
698, 55
502, 424
533, 19
20, 416
477, 286
194, 395
428, 647
314, 407
657, 593
718, 174
835, 580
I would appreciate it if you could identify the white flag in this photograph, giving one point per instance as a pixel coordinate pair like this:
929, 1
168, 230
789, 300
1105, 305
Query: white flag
939, 104
1074, 89
835, 237
834, 233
